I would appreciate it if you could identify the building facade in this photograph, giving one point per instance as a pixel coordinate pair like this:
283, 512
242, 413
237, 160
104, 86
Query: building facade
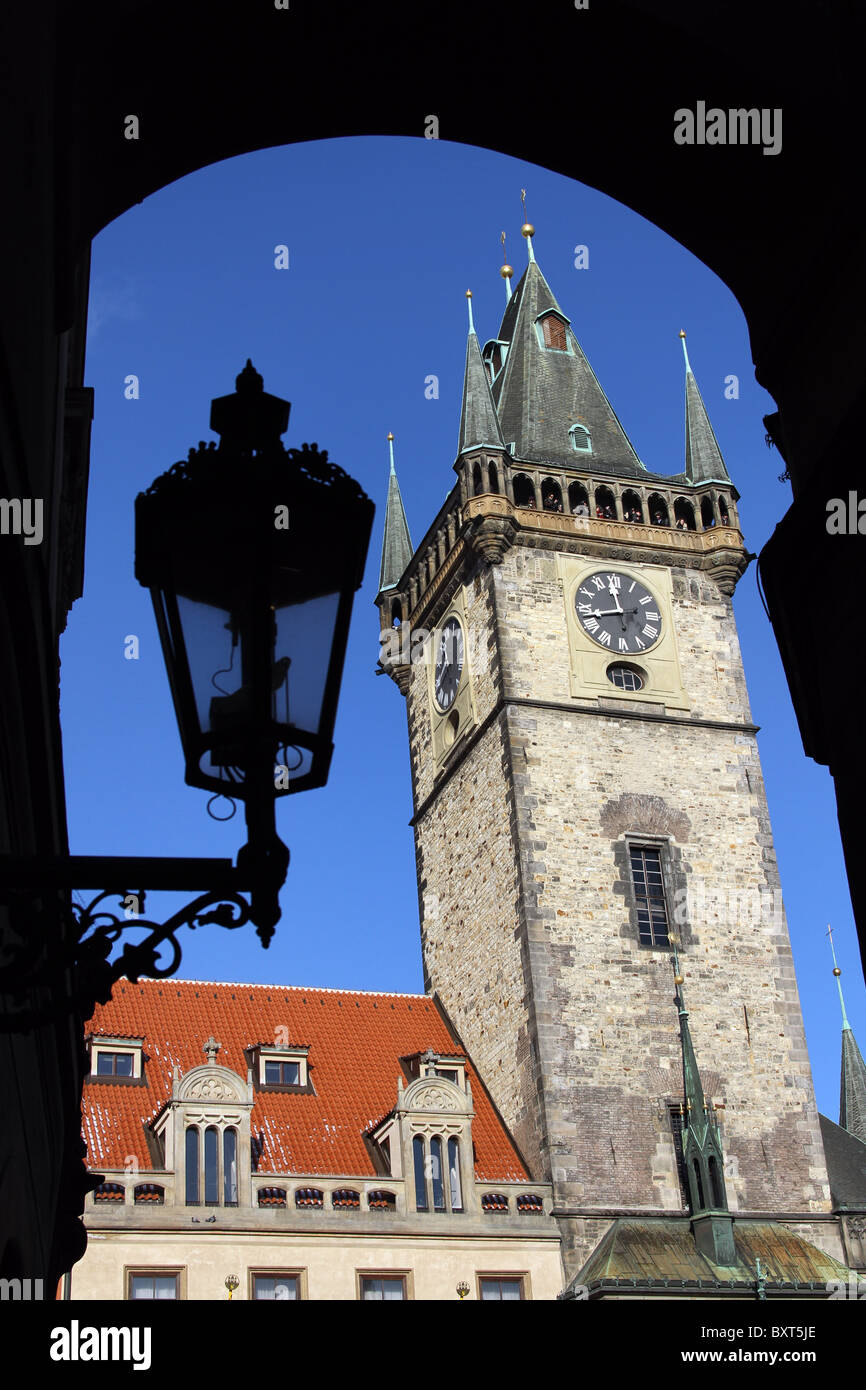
313, 1144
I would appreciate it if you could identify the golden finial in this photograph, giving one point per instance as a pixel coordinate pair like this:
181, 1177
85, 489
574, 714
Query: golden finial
682, 332
678, 980
390, 435
468, 294
836, 971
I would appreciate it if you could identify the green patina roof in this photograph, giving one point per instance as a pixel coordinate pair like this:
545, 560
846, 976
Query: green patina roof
647, 1252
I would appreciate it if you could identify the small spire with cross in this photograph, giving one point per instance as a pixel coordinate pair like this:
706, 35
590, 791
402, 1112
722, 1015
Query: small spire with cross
211, 1048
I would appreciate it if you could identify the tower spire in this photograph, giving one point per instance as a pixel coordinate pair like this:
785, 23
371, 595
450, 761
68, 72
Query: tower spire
852, 1088
703, 1156
396, 542
704, 462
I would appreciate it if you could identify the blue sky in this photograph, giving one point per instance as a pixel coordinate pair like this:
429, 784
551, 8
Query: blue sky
384, 238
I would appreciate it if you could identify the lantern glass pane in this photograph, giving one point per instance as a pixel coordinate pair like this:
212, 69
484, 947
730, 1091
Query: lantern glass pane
305, 634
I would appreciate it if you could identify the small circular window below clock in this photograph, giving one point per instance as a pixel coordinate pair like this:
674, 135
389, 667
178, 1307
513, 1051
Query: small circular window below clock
625, 676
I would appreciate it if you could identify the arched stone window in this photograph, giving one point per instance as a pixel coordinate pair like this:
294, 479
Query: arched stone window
708, 516
657, 509
684, 515
455, 1185
578, 499
436, 1173
723, 511
524, 491
149, 1193
718, 1196
551, 496
698, 1186
605, 504
493, 478
192, 1181
396, 613
420, 1173
580, 439
230, 1167
477, 484
631, 507
211, 1166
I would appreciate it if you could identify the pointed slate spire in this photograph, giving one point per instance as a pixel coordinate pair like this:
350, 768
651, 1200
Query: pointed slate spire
703, 1156
478, 420
396, 543
852, 1091
544, 390
704, 462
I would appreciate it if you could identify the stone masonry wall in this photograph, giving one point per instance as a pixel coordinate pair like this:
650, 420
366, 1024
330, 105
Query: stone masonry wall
529, 929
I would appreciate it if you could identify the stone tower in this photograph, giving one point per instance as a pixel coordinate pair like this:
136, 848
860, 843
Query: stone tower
588, 797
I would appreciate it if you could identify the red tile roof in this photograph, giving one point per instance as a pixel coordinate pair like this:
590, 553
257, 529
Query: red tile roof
355, 1041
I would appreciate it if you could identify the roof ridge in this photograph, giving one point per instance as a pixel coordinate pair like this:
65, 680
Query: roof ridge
308, 989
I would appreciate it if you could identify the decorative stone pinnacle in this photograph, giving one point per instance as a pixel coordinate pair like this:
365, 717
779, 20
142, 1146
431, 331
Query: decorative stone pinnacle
211, 1048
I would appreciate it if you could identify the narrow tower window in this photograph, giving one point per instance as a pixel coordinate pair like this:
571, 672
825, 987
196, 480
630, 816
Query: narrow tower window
454, 1174
211, 1167
652, 915
578, 499
230, 1167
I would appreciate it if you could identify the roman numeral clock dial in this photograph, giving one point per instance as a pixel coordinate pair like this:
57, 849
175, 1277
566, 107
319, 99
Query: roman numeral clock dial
618, 612
449, 663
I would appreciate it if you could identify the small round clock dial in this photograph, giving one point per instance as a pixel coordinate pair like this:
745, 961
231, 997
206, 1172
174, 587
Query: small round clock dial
449, 663
618, 612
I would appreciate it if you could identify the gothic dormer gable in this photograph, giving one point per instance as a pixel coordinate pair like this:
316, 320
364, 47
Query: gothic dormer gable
209, 1082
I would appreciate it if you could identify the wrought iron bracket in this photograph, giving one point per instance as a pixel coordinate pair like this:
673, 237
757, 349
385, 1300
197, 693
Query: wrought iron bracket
62, 948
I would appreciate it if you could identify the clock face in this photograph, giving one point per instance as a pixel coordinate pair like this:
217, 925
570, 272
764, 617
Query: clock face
449, 663
618, 612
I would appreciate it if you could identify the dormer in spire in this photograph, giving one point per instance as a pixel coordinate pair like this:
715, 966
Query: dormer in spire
704, 462
703, 1157
396, 542
547, 387
478, 420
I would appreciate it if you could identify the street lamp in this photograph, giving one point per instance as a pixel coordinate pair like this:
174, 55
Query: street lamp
252, 555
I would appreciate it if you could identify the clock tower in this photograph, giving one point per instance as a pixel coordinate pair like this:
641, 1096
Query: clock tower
592, 835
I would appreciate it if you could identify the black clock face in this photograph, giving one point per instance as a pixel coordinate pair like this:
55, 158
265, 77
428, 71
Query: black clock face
618, 612
449, 663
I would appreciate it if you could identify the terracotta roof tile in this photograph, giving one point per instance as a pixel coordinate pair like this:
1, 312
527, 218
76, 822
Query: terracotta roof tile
355, 1042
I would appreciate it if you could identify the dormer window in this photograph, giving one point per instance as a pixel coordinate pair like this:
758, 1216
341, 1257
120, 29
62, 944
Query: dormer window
551, 329
116, 1059
580, 440
280, 1068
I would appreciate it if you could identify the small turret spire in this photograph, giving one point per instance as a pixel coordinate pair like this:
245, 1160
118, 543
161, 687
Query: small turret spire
703, 1157
852, 1088
479, 423
396, 542
704, 462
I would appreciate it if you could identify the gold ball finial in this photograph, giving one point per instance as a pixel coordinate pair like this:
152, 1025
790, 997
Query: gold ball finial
678, 979
506, 272
527, 229
682, 332
468, 294
836, 971
390, 435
